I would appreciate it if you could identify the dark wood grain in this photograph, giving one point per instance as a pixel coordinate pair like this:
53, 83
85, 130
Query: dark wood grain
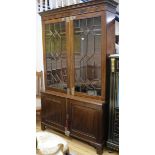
54, 111
84, 116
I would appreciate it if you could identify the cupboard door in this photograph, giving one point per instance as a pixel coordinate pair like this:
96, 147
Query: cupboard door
85, 120
56, 56
87, 51
54, 111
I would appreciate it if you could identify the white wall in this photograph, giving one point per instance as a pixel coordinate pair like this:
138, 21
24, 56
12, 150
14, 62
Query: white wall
39, 49
116, 28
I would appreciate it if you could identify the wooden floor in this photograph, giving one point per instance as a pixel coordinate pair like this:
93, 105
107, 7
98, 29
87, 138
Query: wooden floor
77, 147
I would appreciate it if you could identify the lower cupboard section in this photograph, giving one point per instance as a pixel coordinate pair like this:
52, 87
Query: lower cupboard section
80, 119
54, 111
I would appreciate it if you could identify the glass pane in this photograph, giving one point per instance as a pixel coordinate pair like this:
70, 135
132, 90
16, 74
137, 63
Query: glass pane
56, 58
87, 55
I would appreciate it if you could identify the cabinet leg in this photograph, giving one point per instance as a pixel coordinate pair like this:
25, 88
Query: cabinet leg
67, 152
99, 150
42, 127
110, 151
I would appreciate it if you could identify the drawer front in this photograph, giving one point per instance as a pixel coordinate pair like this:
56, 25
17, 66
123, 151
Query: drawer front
54, 111
85, 120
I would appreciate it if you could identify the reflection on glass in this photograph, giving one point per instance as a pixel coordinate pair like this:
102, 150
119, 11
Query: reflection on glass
56, 63
87, 55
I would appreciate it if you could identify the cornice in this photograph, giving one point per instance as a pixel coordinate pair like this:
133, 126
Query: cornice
109, 3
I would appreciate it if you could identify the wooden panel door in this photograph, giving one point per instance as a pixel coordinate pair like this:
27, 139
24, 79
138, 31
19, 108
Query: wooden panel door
85, 120
54, 111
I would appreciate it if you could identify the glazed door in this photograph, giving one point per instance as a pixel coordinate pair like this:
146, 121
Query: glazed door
86, 55
55, 55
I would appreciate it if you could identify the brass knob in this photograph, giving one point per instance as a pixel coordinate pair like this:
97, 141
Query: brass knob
73, 91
